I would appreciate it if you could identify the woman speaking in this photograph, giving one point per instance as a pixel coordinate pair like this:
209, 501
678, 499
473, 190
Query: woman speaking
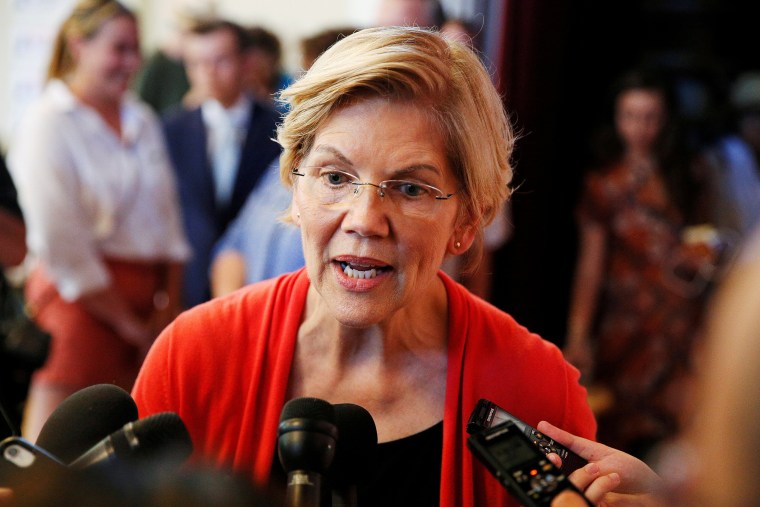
397, 149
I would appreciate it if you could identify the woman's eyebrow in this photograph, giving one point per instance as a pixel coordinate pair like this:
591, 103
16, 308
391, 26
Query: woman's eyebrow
416, 168
403, 171
324, 148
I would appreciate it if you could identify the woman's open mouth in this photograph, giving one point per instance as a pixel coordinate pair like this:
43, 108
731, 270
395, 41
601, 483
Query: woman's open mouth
361, 271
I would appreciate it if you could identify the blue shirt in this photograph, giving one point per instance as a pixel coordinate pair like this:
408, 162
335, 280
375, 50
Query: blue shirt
269, 246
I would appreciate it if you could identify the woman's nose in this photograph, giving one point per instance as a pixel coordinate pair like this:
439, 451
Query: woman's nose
367, 213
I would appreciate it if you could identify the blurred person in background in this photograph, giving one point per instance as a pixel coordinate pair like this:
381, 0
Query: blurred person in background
420, 13
162, 80
314, 45
12, 229
259, 244
641, 274
220, 149
264, 75
103, 222
14, 375
732, 166
706, 464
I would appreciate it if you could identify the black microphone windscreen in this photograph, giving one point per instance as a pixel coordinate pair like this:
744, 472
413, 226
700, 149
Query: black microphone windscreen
308, 408
306, 435
162, 433
85, 418
160, 439
357, 444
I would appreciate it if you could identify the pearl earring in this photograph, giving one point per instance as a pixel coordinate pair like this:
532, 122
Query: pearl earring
458, 244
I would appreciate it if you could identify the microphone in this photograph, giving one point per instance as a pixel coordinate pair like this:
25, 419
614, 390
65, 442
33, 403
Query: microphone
306, 446
84, 418
355, 453
161, 435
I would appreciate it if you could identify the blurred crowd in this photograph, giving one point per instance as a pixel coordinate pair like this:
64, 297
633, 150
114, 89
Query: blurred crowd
139, 187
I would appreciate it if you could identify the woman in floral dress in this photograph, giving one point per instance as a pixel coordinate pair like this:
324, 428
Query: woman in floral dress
641, 275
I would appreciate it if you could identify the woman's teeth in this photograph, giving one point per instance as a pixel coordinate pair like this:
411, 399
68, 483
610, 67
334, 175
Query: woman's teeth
359, 273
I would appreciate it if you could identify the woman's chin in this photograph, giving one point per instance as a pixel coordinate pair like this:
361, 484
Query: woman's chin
358, 316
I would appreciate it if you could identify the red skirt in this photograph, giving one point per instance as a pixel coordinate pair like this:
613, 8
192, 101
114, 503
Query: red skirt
83, 350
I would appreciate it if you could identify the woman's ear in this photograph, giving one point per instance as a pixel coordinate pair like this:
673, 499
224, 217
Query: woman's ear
74, 44
295, 212
462, 239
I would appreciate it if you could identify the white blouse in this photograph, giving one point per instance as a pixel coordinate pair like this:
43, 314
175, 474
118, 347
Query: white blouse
86, 194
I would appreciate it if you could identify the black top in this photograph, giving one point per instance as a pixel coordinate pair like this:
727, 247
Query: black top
406, 472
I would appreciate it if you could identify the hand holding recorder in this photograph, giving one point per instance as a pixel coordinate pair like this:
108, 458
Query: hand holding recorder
635, 484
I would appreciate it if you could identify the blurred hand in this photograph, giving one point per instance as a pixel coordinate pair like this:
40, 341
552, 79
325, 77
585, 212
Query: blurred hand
588, 479
637, 484
568, 499
136, 333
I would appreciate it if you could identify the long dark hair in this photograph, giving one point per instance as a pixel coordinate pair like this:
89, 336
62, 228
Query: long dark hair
670, 150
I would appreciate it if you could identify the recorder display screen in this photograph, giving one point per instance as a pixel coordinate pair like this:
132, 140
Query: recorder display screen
512, 452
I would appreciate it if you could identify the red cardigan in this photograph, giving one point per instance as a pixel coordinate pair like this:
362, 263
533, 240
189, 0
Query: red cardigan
224, 367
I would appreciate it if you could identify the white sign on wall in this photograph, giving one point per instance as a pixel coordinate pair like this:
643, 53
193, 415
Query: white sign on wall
31, 28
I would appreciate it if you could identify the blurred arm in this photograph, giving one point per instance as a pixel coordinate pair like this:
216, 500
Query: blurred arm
227, 273
585, 294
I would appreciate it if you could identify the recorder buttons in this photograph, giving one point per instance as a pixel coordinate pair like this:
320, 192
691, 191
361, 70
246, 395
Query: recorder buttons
540, 481
546, 444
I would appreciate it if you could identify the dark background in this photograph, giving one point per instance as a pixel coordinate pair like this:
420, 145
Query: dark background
559, 60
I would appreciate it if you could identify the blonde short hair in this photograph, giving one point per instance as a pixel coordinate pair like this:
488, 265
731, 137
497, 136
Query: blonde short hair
418, 65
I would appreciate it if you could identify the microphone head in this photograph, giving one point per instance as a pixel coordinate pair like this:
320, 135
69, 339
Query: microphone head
159, 435
160, 440
85, 418
357, 445
308, 408
307, 435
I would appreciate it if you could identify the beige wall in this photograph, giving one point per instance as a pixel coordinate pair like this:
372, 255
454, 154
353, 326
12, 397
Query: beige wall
4, 54
27, 29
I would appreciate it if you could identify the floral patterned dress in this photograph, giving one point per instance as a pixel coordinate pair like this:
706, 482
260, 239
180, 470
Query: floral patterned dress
650, 308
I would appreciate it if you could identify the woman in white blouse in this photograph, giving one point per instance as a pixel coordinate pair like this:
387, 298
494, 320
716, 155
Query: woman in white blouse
103, 222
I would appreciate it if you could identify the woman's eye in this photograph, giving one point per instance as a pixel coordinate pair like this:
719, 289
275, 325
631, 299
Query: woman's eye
335, 178
409, 189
